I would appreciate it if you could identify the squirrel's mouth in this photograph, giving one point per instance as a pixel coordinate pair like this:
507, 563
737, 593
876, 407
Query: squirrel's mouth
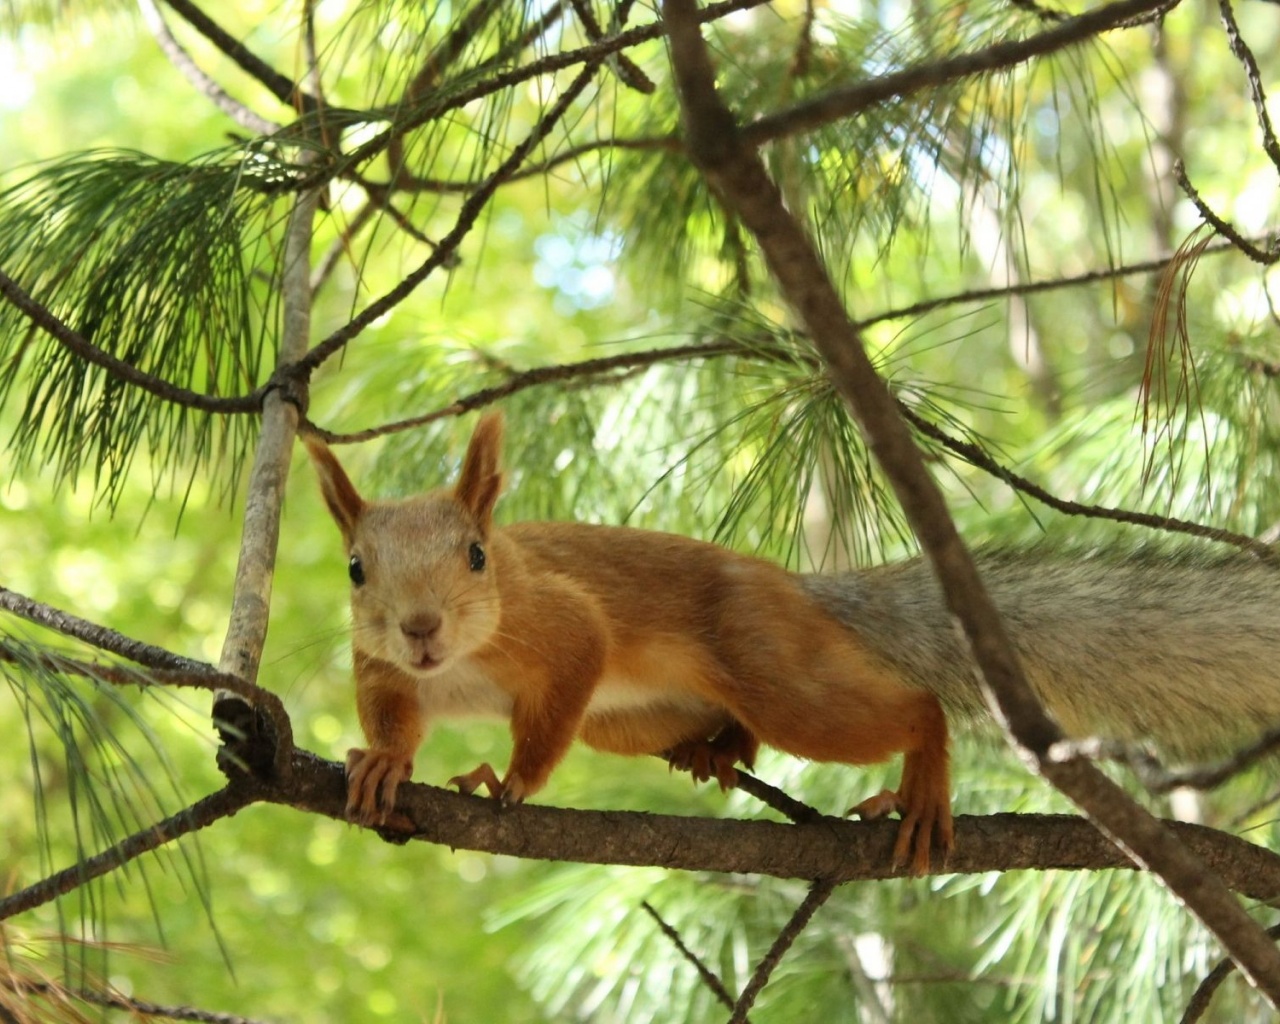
425, 663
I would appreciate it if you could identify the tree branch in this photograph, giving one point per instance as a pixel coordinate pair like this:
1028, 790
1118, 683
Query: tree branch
739, 176
1002, 56
1198, 1006
593, 54
206, 678
830, 848
280, 86
101, 637
708, 976
447, 247
204, 812
193, 73
539, 375
79, 345
819, 892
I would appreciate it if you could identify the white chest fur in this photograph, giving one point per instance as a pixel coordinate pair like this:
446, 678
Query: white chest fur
465, 689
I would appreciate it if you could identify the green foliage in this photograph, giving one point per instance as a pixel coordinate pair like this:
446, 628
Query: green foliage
151, 262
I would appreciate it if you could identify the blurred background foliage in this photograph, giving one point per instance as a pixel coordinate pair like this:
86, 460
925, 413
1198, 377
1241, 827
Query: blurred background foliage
126, 512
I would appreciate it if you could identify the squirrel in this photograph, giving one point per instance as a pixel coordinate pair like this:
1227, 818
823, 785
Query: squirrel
641, 642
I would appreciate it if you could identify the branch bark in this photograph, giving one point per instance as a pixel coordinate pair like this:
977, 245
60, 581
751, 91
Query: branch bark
737, 174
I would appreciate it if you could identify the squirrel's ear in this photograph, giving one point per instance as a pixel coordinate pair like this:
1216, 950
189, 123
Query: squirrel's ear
344, 501
480, 481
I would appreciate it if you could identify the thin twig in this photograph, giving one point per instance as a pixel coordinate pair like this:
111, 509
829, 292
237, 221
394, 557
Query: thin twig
447, 247
977, 456
206, 678
282, 87
193, 73
445, 186
818, 894
101, 637
1245, 56
708, 976
1264, 257
1211, 982
620, 64
592, 54
222, 804
1158, 779
118, 1001
782, 802
532, 378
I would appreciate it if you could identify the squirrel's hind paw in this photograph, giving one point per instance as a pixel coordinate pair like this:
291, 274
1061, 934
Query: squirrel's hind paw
716, 757
920, 826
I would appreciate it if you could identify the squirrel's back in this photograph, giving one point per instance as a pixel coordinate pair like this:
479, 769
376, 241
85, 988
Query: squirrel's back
1182, 649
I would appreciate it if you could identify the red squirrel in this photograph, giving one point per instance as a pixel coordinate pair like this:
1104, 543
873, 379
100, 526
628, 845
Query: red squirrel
634, 641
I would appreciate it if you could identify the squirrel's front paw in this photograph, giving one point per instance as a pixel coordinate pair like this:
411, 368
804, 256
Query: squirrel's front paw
372, 779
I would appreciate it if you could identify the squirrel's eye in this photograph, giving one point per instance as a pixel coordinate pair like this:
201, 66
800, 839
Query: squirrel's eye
476, 554
355, 569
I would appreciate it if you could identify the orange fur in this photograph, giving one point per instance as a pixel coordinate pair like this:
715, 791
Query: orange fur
633, 641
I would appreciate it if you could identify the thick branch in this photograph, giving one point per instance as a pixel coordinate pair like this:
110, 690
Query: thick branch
739, 176
829, 848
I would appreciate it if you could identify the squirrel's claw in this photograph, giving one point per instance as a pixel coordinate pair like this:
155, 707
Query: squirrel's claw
920, 825
716, 757
372, 779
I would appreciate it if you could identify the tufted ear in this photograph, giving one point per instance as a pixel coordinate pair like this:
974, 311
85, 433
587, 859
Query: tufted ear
344, 501
480, 481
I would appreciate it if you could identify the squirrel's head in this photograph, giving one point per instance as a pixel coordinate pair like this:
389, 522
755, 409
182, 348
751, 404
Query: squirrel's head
423, 587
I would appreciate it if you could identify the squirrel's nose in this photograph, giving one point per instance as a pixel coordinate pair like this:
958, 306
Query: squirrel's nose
422, 626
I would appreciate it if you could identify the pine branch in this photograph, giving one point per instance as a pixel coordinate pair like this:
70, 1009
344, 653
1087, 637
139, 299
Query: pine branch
1201, 999
708, 976
819, 892
536, 377
1001, 56
448, 245
204, 812
739, 176
1256, 92
255, 568
832, 849
101, 637
590, 55
117, 1001
189, 69
1263, 257
80, 346
280, 86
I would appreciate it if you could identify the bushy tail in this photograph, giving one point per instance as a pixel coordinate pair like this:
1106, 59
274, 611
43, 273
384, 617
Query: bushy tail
1182, 649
